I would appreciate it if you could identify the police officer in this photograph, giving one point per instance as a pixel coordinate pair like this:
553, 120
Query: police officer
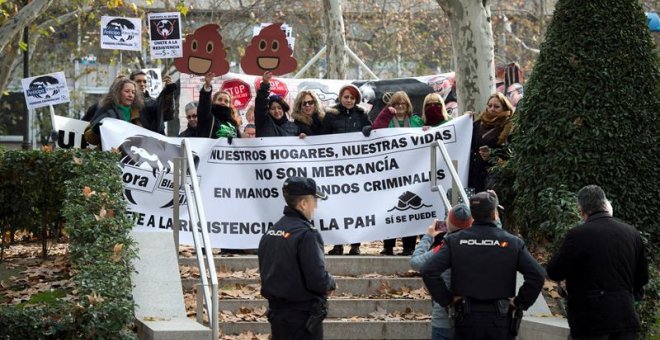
292, 266
484, 260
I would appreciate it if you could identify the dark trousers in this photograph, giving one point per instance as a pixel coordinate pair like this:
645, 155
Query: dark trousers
483, 326
409, 243
611, 336
289, 324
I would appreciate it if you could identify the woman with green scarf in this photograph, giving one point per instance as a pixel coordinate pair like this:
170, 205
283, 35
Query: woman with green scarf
121, 102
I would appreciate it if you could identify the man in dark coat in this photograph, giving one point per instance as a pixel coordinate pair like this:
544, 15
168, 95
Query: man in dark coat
292, 267
605, 269
158, 110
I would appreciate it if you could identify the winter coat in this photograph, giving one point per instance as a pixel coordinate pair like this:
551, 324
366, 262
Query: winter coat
339, 119
439, 316
92, 132
158, 110
494, 136
385, 119
266, 125
309, 125
188, 132
604, 264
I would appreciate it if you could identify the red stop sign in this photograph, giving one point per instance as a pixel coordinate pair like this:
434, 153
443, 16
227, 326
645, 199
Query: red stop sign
239, 91
277, 87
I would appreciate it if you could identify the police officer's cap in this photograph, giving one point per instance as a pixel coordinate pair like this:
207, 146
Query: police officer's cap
483, 204
300, 186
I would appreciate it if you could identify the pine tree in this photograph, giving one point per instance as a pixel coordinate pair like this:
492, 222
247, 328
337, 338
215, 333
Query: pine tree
590, 116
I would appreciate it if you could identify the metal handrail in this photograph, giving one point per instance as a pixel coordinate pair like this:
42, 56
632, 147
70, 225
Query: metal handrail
439, 145
197, 218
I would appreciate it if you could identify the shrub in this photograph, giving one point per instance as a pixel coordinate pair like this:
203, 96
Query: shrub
590, 116
100, 247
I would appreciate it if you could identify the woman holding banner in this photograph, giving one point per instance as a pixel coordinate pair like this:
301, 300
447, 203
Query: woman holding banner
435, 112
398, 113
345, 117
308, 113
490, 131
122, 101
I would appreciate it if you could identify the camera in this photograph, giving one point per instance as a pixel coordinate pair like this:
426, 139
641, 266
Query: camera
441, 226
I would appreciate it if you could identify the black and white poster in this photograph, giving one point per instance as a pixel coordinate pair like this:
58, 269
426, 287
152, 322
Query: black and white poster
119, 33
44, 90
165, 35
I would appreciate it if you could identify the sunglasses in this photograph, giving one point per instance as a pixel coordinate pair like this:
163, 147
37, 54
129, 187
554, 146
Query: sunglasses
191, 117
308, 103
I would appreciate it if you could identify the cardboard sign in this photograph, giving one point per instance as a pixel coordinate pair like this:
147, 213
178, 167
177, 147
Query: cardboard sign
269, 51
119, 33
239, 91
203, 52
154, 81
44, 90
165, 35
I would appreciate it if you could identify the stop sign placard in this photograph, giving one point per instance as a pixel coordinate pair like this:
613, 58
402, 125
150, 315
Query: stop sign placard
239, 91
277, 87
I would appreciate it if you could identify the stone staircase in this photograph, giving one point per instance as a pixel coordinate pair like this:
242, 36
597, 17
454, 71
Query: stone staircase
378, 297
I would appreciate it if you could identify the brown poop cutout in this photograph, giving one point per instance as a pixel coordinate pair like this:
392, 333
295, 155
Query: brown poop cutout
269, 51
203, 52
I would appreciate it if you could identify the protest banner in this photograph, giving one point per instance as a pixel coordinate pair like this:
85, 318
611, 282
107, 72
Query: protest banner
379, 186
119, 33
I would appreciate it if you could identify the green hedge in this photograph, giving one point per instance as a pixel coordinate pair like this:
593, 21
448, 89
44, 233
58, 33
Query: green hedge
590, 116
84, 189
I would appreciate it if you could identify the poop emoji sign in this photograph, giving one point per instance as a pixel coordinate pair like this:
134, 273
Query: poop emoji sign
269, 51
203, 52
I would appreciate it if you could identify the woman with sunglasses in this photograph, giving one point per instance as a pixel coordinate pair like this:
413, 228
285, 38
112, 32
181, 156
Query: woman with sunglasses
270, 112
398, 113
308, 113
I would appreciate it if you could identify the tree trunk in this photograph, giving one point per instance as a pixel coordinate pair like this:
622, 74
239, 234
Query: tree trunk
335, 39
473, 47
11, 29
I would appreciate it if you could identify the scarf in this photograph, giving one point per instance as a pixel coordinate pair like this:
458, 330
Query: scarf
395, 122
490, 121
126, 111
434, 116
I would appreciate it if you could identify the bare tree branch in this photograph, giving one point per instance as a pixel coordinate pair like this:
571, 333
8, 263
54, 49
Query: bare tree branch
10, 30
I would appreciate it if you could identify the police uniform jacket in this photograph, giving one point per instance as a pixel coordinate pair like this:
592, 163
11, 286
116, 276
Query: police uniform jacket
292, 265
483, 260
604, 265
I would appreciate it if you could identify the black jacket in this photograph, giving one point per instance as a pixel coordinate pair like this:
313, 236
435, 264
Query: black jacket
264, 122
291, 263
339, 119
605, 267
207, 124
159, 110
309, 125
188, 132
484, 260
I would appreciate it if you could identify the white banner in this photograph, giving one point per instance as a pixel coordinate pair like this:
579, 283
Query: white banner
165, 35
378, 186
70, 132
118, 33
44, 90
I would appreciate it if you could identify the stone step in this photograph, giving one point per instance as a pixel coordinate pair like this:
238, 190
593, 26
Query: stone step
343, 308
344, 265
347, 329
352, 286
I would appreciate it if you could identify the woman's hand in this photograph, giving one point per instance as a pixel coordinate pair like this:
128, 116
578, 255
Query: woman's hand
425, 127
392, 109
267, 77
302, 135
208, 78
431, 229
